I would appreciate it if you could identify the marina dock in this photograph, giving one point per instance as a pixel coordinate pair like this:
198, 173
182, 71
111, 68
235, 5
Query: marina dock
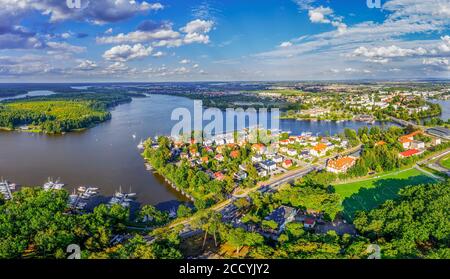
6, 189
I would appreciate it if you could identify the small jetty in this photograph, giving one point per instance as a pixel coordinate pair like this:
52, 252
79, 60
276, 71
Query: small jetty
123, 199
6, 189
79, 199
53, 185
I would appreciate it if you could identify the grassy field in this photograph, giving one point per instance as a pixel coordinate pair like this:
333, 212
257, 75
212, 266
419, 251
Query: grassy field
368, 194
446, 162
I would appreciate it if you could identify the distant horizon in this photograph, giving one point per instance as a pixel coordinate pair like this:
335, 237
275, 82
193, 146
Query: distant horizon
240, 81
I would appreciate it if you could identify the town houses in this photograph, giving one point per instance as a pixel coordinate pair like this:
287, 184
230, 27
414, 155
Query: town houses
228, 157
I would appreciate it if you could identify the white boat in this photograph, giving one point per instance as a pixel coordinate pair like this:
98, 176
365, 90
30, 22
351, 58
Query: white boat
141, 145
81, 189
53, 185
134, 136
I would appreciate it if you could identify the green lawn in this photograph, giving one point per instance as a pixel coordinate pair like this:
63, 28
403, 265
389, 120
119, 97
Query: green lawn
368, 194
446, 162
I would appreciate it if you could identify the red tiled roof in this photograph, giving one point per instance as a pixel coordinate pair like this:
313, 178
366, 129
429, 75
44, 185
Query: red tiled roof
410, 152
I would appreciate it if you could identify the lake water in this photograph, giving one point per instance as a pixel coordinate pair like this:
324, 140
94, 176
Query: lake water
106, 156
35, 93
445, 105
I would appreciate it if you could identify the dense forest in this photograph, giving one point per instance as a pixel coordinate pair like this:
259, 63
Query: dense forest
60, 112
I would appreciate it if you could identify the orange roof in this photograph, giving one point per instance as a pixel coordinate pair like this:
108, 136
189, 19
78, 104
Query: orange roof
258, 146
381, 142
205, 159
320, 147
405, 139
410, 152
409, 137
234, 154
341, 162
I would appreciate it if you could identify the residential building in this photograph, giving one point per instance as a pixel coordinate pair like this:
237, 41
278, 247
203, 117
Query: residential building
269, 165
292, 152
409, 153
282, 216
257, 158
340, 165
287, 164
319, 150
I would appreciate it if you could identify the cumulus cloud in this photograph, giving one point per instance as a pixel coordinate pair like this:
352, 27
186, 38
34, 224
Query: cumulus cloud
326, 15
87, 65
123, 53
389, 52
185, 61
163, 35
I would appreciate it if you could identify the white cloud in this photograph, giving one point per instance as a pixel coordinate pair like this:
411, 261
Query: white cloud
198, 26
436, 61
139, 37
124, 53
194, 32
185, 61
389, 52
158, 54
286, 44
87, 65
320, 14
445, 46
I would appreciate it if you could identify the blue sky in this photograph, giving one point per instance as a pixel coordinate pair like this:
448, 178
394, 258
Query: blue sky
123, 40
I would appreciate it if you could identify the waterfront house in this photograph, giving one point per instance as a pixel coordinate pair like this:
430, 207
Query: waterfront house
341, 165
282, 216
